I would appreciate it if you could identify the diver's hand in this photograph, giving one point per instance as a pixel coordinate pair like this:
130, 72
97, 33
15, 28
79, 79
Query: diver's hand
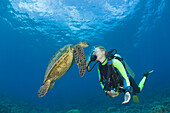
109, 92
112, 93
127, 97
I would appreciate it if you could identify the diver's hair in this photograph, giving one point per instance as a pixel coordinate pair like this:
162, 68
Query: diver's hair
102, 49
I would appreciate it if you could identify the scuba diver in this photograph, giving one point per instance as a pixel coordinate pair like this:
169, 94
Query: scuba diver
115, 75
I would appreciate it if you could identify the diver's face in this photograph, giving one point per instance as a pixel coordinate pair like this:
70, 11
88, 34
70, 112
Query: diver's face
99, 53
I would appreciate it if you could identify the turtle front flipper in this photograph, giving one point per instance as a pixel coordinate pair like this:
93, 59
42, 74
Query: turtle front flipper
43, 89
80, 59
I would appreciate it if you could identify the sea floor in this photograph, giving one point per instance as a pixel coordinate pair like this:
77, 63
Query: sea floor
159, 102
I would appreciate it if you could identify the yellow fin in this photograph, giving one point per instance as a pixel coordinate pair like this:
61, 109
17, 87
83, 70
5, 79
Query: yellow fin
151, 71
135, 98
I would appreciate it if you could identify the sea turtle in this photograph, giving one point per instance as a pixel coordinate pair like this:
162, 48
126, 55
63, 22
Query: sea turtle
61, 62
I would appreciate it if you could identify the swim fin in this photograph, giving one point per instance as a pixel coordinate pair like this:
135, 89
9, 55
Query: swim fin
151, 71
135, 98
147, 73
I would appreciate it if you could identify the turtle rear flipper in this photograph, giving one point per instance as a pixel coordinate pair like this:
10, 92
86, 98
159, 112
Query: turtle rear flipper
80, 59
51, 85
43, 89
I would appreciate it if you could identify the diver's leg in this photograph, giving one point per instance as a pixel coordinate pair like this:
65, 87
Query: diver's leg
143, 81
136, 89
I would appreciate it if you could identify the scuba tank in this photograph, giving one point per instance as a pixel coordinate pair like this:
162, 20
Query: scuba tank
128, 69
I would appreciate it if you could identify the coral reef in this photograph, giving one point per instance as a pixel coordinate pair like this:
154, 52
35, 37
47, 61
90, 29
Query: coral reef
159, 109
160, 103
73, 111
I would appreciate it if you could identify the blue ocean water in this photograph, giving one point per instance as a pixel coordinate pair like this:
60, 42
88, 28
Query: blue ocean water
31, 31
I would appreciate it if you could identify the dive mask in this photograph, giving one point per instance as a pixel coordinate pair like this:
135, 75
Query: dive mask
93, 58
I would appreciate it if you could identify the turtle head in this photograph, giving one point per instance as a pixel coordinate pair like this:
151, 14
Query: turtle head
83, 44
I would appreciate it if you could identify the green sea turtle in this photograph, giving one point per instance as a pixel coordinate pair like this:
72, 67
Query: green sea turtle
61, 62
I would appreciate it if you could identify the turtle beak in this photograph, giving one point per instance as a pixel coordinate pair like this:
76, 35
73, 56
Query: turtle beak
84, 44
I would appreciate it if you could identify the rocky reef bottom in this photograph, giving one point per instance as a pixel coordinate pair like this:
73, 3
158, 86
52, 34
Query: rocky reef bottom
157, 103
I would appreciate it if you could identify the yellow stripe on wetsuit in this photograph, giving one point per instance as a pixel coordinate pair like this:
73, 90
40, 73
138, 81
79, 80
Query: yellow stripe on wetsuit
117, 64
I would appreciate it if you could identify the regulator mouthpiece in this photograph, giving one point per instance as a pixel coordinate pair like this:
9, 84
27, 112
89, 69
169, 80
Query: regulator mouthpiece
93, 58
